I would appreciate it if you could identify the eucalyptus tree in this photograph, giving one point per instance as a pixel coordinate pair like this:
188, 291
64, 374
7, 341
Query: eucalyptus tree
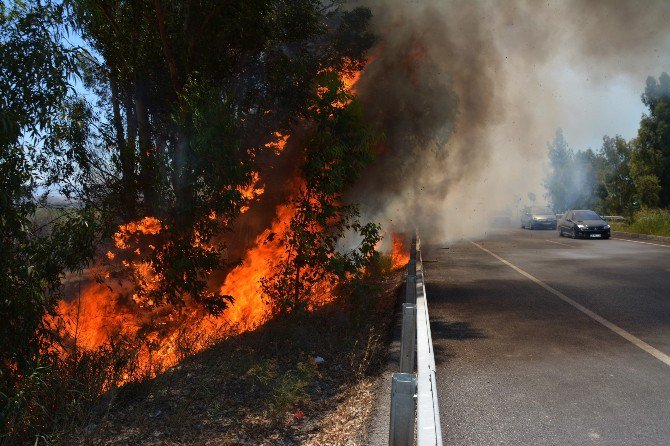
193, 91
35, 70
651, 158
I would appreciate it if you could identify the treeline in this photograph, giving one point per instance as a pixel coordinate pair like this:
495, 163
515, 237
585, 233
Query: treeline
622, 176
167, 109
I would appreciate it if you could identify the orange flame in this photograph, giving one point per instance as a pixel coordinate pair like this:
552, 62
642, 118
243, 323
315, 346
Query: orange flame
252, 191
278, 143
351, 80
100, 312
399, 253
243, 282
93, 318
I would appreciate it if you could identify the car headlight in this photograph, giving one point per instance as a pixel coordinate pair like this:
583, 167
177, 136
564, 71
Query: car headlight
581, 226
606, 227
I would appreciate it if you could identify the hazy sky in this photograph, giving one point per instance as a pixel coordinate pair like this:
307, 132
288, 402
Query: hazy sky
591, 107
470, 93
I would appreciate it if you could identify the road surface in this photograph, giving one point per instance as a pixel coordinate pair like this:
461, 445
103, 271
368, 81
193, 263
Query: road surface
542, 340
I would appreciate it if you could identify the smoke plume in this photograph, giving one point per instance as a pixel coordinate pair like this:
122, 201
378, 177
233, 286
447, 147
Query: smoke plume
468, 93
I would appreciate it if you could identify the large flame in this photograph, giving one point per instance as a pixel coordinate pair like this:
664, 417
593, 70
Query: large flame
104, 310
243, 283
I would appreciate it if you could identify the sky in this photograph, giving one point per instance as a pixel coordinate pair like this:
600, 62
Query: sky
593, 108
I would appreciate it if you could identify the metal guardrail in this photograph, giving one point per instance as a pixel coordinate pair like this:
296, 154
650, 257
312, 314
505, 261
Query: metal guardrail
414, 389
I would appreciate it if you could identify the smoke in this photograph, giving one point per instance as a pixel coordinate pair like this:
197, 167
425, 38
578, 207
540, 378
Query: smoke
468, 93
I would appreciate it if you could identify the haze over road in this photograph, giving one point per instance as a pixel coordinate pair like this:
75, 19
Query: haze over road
521, 355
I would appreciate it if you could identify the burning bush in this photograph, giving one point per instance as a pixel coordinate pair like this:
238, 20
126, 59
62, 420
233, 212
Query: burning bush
193, 104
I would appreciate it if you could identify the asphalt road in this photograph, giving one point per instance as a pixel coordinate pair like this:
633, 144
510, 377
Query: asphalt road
523, 357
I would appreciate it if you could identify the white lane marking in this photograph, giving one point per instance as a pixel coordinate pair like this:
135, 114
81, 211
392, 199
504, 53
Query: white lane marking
644, 243
558, 243
601, 320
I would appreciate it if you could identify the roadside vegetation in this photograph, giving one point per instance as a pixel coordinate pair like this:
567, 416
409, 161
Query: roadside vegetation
292, 381
161, 128
627, 178
646, 221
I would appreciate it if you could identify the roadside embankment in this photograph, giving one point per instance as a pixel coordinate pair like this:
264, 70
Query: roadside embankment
635, 235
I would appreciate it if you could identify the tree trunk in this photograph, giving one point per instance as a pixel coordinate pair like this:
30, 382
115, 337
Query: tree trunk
148, 178
181, 181
126, 154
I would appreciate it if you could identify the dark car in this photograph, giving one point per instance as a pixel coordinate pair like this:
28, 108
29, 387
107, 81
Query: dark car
538, 217
583, 223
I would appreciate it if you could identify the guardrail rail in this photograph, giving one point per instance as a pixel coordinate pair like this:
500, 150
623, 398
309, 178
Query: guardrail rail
414, 404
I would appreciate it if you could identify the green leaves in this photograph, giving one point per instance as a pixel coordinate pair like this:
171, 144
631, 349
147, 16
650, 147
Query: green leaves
652, 155
35, 69
622, 176
335, 151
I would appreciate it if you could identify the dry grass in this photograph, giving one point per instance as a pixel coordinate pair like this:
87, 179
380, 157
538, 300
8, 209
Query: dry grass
345, 425
266, 387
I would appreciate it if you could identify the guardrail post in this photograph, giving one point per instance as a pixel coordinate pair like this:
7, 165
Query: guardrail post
411, 267
408, 338
410, 290
403, 406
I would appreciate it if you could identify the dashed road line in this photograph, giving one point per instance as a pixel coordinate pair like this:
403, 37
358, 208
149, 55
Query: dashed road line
558, 243
644, 243
596, 317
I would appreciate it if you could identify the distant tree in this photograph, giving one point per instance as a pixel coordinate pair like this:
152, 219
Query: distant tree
586, 180
651, 157
613, 166
648, 190
560, 177
571, 183
621, 175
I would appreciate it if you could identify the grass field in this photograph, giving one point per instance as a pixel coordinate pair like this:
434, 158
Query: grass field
647, 221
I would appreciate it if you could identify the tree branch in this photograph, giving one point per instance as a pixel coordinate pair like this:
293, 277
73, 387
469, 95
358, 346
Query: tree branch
108, 15
172, 66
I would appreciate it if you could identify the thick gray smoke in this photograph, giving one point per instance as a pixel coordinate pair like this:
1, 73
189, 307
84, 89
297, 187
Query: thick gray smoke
469, 92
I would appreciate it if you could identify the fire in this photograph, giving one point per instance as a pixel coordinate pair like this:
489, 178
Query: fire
399, 253
146, 225
278, 144
103, 311
350, 81
243, 282
100, 313
252, 191
93, 318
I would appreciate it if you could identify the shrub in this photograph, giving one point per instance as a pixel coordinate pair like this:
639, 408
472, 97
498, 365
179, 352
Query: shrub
651, 221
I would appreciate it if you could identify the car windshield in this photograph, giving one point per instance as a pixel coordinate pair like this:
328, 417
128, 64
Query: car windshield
541, 210
586, 215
